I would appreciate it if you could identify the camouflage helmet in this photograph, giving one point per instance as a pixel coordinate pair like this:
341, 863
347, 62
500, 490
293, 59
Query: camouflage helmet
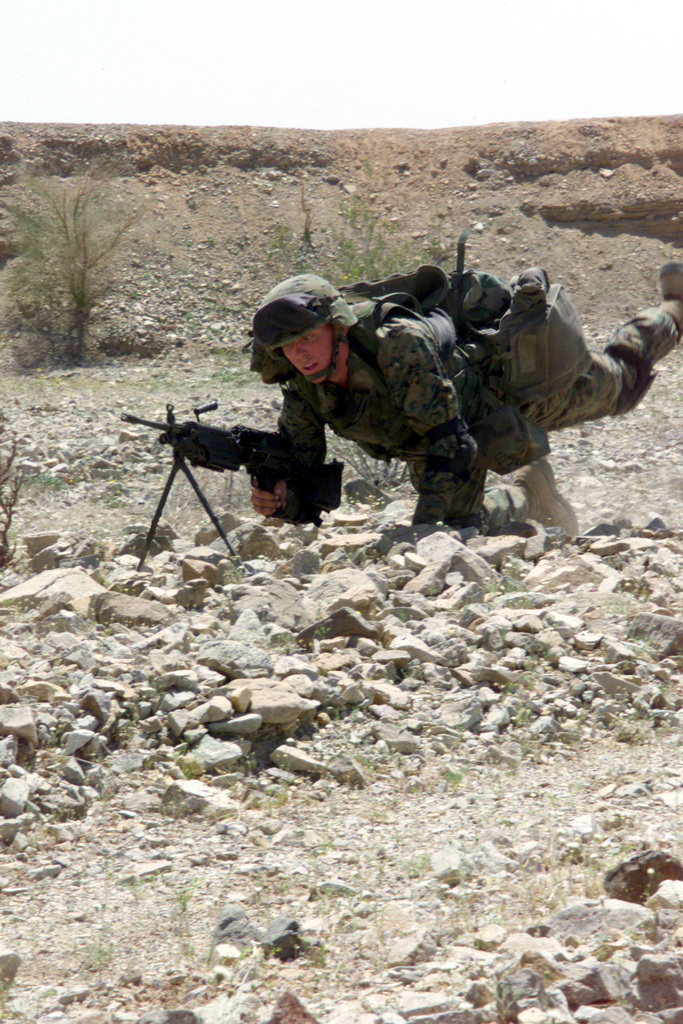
297, 306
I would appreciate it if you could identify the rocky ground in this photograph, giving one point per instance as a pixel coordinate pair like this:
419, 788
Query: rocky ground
405, 777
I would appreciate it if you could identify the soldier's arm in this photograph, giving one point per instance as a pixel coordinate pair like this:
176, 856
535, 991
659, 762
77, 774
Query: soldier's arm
306, 432
421, 387
302, 426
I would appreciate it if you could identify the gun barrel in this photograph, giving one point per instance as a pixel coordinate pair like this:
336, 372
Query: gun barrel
155, 424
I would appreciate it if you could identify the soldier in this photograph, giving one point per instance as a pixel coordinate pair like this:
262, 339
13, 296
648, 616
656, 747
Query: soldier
397, 385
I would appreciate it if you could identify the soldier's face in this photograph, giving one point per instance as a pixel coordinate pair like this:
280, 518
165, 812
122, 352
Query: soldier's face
311, 354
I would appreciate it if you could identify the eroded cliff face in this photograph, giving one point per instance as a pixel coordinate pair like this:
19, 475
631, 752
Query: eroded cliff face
598, 203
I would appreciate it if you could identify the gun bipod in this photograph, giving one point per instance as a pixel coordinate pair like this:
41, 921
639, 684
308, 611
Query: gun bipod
179, 463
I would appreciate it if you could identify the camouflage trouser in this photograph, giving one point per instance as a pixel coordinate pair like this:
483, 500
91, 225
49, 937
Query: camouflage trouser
613, 384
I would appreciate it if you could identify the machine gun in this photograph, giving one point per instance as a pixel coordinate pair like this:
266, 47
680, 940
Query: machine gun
267, 457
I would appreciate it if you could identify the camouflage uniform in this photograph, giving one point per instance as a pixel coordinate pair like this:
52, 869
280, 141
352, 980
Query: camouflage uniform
613, 384
388, 413
408, 403
389, 410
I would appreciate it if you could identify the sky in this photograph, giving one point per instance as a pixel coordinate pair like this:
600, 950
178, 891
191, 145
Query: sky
330, 65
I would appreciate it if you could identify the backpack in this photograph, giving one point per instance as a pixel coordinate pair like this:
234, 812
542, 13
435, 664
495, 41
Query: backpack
538, 348
509, 331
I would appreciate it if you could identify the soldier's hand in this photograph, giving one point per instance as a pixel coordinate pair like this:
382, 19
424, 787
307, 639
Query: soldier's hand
268, 503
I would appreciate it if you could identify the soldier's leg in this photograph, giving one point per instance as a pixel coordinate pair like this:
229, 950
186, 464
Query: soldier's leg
532, 494
614, 384
503, 504
619, 377
464, 502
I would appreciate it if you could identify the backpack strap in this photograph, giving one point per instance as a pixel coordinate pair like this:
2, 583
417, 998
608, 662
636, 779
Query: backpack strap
363, 352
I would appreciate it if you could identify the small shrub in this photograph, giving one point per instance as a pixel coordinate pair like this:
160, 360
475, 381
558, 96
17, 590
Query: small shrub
365, 247
11, 480
66, 234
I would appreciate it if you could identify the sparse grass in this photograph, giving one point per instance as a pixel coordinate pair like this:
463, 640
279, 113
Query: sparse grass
45, 482
182, 899
8, 1013
453, 777
100, 953
416, 867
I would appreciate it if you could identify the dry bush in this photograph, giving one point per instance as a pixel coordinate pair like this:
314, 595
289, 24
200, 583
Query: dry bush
66, 234
10, 485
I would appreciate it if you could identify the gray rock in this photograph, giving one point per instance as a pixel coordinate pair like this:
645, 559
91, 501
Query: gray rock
76, 584
130, 761
667, 898
473, 567
306, 562
347, 771
342, 622
597, 918
590, 981
438, 546
254, 541
131, 611
190, 796
282, 939
612, 683
10, 963
430, 582
235, 660
35, 542
73, 772
208, 534
325, 589
216, 755
178, 679
397, 740
8, 751
19, 721
522, 990
496, 549
234, 926
77, 739
360, 491
174, 700
241, 725
662, 633
97, 702
293, 760
273, 700
447, 865
412, 949
217, 709
237, 1009
247, 628
14, 796
659, 981
277, 601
